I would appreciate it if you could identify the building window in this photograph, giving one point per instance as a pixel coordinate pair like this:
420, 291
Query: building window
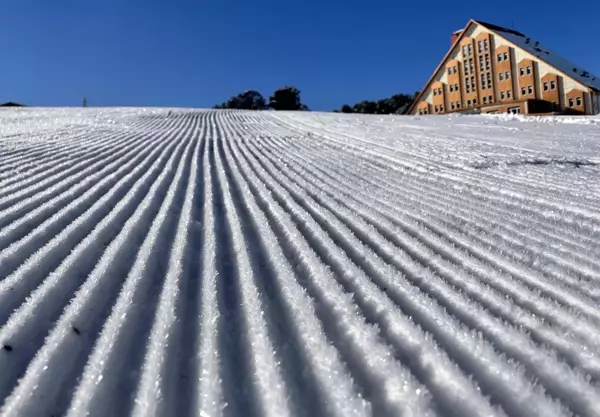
505, 55
528, 70
501, 76
470, 49
442, 108
489, 83
466, 66
484, 100
523, 91
552, 85
455, 87
434, 92
499, 57
530, 89
452, 105
578, 101
508, 93
451, 88
545, 86
514, 110
458, 105
501, 95
474, 101
522, 71
571, 102
485, 44
468, 103
487, 61
507, 75
480, 46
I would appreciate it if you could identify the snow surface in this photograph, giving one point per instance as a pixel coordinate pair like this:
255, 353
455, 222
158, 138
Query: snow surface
170, 262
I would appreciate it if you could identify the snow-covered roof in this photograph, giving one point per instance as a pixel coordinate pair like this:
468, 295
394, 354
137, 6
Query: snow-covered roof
541, 52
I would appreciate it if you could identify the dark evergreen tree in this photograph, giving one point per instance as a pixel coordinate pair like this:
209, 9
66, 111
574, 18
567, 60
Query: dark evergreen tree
286, 98
248, 100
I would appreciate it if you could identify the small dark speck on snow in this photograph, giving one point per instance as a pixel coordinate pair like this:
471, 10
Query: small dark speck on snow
7, 348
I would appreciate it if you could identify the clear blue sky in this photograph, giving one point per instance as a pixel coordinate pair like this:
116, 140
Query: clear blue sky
198, 53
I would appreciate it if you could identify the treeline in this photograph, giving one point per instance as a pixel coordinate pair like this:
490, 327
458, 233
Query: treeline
285, 98
396, 104
288, 98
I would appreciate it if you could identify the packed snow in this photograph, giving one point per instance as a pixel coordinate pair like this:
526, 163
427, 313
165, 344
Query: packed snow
172, 262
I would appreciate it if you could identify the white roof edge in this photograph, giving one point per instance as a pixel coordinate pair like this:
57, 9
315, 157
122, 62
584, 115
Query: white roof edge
551, 58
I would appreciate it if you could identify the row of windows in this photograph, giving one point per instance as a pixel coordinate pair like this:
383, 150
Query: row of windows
502, 57
468, 66
504, 75
525, 91
486, 81
525, 71
452, 70
467, 50
483, 45
455, 105
488, 99
484, 59
550, 86
470, 84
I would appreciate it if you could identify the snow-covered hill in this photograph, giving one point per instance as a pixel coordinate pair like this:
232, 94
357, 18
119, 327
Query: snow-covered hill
169, 262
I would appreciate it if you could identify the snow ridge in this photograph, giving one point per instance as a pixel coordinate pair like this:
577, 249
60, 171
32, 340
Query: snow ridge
203, 263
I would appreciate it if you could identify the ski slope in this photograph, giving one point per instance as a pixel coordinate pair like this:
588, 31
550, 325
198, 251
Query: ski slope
170, 262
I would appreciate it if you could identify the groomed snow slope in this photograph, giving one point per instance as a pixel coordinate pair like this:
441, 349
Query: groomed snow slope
199, 263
